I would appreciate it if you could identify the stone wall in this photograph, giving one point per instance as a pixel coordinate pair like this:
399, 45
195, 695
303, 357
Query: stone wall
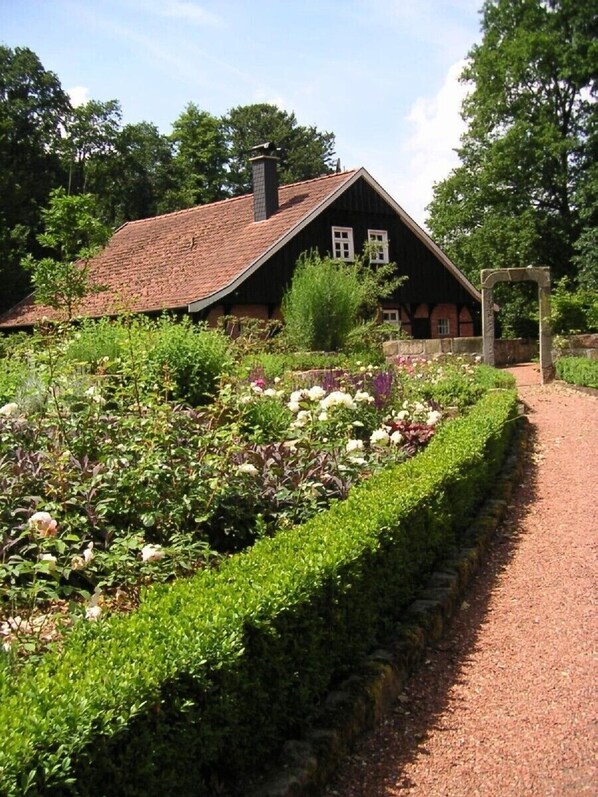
506, 352
579, 346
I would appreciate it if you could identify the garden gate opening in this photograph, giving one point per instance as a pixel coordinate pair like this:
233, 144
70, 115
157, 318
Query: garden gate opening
490, 276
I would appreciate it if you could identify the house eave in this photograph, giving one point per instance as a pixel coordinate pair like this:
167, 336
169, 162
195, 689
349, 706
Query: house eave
201, 304
204, 302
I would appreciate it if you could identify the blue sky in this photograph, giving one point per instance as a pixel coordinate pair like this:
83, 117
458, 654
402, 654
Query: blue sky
380, 74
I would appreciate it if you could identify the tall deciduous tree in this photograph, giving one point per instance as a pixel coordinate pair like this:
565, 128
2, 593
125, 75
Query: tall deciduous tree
33, 110
90, 141
305, 152
516, 198
200, 157
140, 176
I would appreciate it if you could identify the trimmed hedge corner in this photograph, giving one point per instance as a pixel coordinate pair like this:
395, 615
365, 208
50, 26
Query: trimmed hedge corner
210, 673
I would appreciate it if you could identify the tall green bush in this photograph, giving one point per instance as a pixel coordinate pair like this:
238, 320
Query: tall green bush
321, 306
190, 359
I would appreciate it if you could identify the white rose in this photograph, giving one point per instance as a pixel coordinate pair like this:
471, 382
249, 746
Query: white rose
433, 417
298, 395
93, 613
88, 554
10, 409
323, 416
152, 553
396, 438
400, 416
50, 559
363, 396
316, 393
294, 406
379, 438
270, 392
354, 445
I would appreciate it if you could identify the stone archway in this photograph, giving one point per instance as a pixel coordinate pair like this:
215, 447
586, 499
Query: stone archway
490, 276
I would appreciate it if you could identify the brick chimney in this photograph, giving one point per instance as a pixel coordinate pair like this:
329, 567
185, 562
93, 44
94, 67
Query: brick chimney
265, 181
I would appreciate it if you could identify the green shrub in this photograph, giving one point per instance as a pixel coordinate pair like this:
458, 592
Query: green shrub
211, 673
573, 311
190, 359
578, 371
321, 306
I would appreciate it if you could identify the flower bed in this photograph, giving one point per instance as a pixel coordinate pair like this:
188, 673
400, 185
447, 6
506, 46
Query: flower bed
212, 670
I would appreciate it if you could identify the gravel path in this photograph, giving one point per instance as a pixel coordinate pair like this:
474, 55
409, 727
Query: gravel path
505, 705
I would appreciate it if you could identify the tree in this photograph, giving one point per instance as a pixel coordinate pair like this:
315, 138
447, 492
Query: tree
305, 151
74, 233
515, 198
33, 110
91, 135
200, 158
139, 177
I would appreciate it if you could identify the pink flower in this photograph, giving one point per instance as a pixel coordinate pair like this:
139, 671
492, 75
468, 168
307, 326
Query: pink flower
43, 524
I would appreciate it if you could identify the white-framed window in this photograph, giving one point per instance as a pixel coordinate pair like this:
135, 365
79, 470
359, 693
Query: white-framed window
378, 240
391, 316
342, 243
444, 326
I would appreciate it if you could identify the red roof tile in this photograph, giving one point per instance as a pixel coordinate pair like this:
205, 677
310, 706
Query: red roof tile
169, 261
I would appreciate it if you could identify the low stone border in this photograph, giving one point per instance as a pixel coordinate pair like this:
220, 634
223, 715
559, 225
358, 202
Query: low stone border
362, 700
589, 391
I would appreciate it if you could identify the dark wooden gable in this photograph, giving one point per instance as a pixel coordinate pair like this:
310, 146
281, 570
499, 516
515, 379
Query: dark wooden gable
363, 209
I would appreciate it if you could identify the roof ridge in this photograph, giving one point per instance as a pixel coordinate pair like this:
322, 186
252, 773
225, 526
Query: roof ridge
230, 199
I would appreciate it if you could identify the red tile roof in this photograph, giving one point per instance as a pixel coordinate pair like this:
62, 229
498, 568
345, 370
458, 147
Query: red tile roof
173, 260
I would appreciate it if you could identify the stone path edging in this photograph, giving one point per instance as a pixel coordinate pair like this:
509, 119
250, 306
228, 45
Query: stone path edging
363, 699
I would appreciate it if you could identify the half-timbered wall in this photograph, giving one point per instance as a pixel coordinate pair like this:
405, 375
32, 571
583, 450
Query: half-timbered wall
430, 291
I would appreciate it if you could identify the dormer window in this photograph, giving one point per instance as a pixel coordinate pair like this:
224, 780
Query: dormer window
342, 243
378, 240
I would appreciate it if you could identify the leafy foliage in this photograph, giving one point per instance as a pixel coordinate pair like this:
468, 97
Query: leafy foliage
321, 305
217, 664
327, 299
578, 371
573, 311
522, 194
74, 233
33, 110
305, 152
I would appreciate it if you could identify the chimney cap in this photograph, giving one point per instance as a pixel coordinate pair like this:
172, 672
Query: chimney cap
268, 149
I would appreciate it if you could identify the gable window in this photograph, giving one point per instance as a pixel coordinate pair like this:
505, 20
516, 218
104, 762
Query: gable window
444, 326
391, 316
342, 243
378, 240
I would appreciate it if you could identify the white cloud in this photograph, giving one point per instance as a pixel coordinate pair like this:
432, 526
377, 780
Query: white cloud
436, 127
79, 95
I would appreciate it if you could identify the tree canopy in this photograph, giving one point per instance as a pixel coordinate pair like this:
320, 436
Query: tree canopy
526, 187
33, 110
305, 152
132, 171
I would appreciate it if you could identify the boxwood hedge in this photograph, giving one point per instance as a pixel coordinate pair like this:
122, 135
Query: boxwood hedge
212, 672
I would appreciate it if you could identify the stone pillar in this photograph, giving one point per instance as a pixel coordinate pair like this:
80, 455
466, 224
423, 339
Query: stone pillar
487, 325
546, 364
